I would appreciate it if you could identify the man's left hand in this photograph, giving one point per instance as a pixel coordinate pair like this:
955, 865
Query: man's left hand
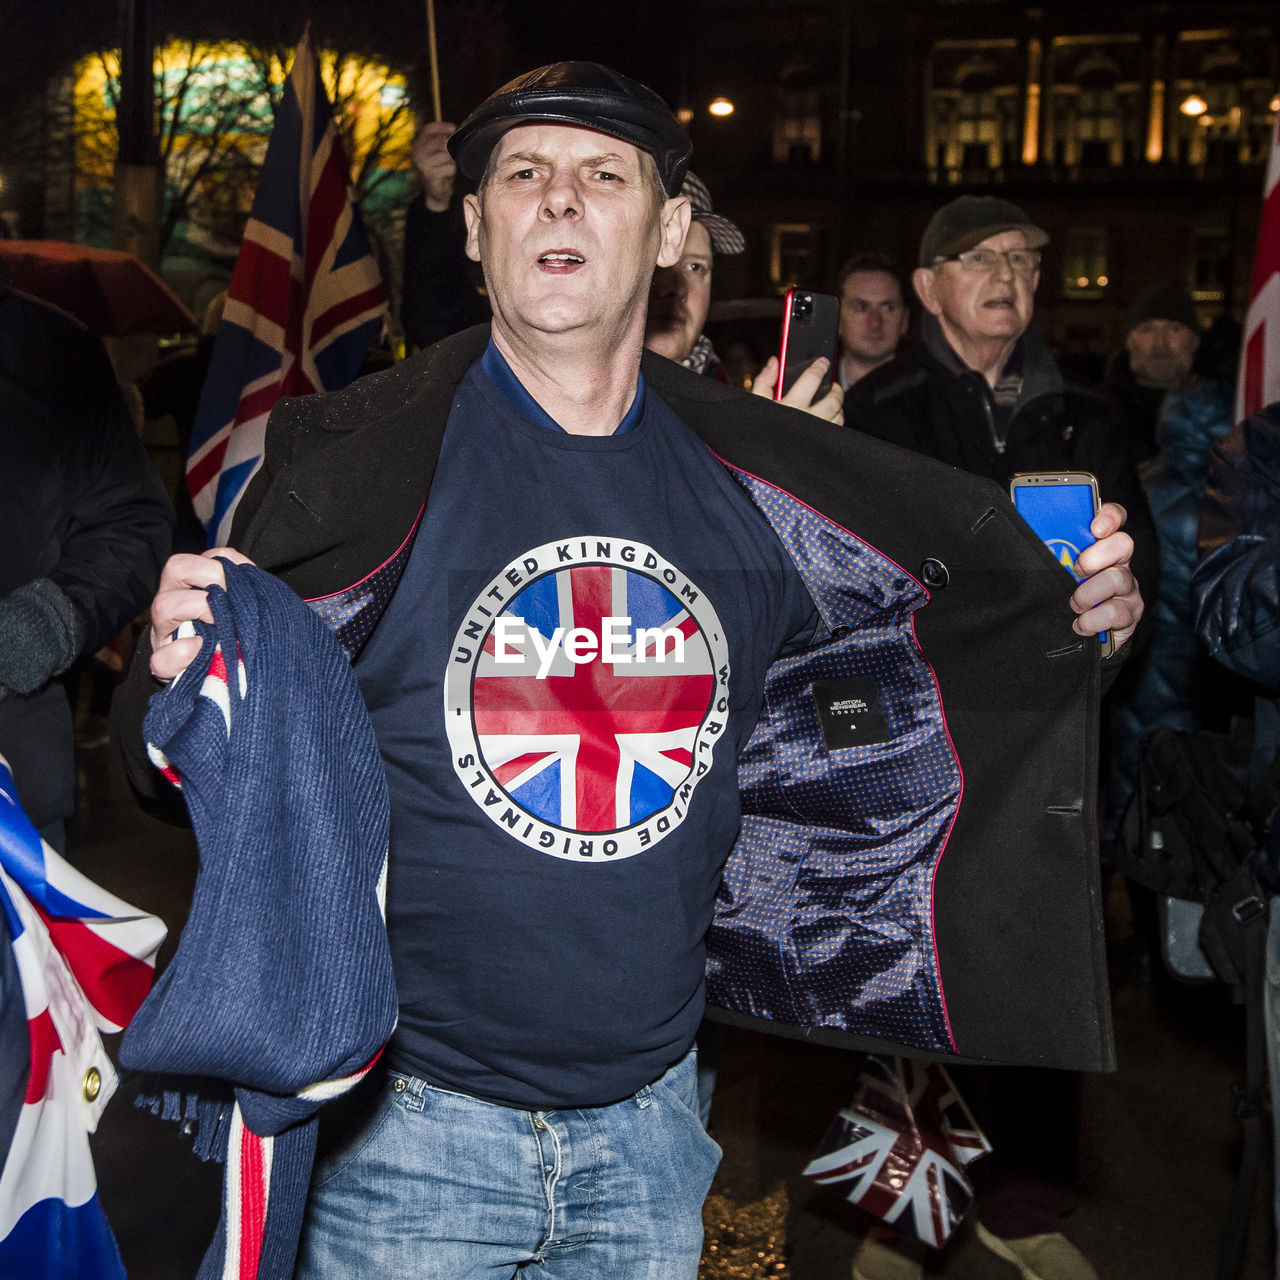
1108, 599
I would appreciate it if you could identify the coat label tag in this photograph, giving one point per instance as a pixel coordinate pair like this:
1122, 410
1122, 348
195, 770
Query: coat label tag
851, 712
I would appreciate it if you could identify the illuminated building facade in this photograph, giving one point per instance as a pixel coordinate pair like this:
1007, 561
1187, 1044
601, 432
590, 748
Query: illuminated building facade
1136, 134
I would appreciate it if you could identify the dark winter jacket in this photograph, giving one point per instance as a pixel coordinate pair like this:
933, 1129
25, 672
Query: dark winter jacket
84, 526
1168, 685
928, 401
1236, 587
933, 888
1139, 407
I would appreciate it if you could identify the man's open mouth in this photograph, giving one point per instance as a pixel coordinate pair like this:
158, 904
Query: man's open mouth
558, 259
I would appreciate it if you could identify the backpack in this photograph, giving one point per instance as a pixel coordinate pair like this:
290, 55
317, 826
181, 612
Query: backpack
1191, 834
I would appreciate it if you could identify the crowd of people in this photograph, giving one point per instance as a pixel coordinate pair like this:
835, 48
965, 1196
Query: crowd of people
683, 693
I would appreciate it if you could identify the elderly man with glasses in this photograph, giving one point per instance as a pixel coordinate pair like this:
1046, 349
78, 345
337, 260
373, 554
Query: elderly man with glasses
980, 390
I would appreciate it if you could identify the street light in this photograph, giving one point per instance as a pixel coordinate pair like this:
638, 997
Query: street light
720, 107
1193, 105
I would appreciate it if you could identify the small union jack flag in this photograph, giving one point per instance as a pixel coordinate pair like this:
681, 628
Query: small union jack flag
305, 298
903, 1145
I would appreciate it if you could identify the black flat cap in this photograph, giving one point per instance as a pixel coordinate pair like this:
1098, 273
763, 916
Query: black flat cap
581, 93
967, 221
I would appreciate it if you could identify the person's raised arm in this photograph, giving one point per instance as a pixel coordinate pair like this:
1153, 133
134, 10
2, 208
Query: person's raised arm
438, 297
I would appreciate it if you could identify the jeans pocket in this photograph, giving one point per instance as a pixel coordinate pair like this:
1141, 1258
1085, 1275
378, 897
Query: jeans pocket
363, 1131
700, 1145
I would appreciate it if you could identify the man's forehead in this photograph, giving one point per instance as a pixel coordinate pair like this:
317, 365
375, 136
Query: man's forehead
544, 137
697, 244
1168, 328
872, 282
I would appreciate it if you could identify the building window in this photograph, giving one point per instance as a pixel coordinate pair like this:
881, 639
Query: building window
797, 128
976, 138
792, 259
1210, 264
1098, 128
1084, 262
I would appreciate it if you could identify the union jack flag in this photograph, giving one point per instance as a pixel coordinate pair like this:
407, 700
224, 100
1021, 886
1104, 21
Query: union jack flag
592, 734
304, 301
84, 961
903, 1145
1259, 382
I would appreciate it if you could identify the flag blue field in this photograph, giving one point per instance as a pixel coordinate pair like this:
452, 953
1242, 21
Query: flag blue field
305, 299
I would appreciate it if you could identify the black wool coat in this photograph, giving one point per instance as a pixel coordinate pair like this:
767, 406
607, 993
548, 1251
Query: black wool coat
1002, 941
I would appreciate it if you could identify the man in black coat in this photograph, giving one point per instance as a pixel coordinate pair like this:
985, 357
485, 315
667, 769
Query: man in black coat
84, 526
980, 390
570, 477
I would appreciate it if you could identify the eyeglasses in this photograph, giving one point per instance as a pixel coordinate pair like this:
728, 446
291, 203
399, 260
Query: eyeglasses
1022, 262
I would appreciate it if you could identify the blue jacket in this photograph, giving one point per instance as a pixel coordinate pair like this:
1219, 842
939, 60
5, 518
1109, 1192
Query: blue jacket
935, 893
1164, 686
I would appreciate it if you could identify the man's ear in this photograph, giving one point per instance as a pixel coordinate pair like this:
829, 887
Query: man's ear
471, 216
674, 226
922, 281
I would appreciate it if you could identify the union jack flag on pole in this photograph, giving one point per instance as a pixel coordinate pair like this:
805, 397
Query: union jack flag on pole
1259, 382
78, 961
305, 298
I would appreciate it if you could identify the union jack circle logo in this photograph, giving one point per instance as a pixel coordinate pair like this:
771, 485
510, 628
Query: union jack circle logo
587, 688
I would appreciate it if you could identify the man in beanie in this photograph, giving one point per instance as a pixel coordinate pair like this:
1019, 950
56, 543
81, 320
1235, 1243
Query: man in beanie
1160, 350
980, 390
566, 653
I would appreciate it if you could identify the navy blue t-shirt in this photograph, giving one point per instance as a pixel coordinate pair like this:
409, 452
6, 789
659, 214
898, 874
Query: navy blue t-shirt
560, 687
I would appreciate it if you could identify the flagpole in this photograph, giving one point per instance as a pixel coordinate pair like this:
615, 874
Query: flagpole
435, 65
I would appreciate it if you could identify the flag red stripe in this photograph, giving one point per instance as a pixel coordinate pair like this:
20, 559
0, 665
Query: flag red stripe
257, 402
253, 1203
1254, 369
347, 309
43, 1036
206, 470
262, 280
115, 982
328, 200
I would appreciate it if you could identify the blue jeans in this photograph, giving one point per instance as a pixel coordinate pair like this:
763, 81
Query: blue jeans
442, 1186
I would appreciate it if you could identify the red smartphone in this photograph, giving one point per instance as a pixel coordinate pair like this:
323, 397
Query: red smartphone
810, 328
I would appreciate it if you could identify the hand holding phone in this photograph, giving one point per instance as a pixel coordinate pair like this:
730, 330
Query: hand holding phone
810, 329
1060, 506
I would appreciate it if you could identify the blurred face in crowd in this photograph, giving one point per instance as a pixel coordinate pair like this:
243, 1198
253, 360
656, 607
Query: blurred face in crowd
873, 316
984, 299
679, 297
569, 225
1161, 352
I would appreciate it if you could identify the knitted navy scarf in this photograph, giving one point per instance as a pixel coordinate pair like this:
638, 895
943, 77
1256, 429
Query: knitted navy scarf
281, 985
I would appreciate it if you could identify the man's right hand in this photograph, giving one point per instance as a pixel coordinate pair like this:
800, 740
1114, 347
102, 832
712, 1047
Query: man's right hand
183, 597
801, 395
434, 164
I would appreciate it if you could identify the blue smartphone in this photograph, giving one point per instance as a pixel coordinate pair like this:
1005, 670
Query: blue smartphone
1059, 506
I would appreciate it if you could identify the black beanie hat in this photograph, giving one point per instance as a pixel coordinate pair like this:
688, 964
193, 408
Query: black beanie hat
1165, 302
